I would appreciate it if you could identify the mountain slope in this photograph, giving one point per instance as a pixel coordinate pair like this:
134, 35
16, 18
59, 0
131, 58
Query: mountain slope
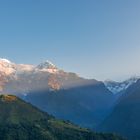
125, 118
86, 105
21, 121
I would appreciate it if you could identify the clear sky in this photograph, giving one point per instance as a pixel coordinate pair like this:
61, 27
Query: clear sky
94, 38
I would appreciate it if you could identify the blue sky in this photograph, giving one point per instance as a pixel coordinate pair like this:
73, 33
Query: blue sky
94, 38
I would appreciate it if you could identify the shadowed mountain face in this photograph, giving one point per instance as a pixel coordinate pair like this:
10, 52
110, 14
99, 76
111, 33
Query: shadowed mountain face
86, 105
125, 118
22, 121
62, 94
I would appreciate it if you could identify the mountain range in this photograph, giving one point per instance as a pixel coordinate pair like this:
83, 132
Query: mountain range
63, 94
107, 106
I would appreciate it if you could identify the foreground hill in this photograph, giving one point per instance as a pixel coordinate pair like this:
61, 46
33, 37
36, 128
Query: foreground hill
22, 121
125, 118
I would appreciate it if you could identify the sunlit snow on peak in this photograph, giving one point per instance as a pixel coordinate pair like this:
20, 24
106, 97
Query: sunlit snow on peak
5, 60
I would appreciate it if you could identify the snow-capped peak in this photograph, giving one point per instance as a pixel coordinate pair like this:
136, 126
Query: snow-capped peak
46, 65
9, 67
6, 66
5, 60
116, 87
